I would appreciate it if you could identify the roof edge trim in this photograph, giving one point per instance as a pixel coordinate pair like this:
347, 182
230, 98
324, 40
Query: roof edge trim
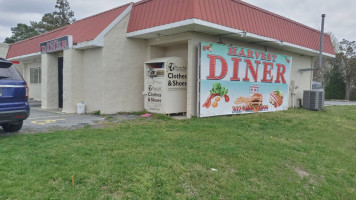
100, 38
220, 27
161, 27
87, 45
315, 52
98, 41
277, 15
24, 56
40, 35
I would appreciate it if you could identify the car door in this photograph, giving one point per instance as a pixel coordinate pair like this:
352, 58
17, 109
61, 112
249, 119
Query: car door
13, 89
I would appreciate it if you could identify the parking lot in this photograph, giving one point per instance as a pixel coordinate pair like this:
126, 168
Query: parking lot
339, 103
49, 120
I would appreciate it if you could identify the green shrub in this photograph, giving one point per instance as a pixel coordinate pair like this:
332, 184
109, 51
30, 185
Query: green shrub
335, 86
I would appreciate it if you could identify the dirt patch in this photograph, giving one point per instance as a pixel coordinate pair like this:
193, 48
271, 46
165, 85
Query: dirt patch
301, 173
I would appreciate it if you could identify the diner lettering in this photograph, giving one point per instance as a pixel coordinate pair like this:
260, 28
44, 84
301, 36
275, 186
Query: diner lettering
55, 45
273, 72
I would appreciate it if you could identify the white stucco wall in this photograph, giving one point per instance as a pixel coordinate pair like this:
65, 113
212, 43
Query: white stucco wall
49, 86
155, 52
72, 79
93, 79
177, 50
123, 60
172, 50
3, 50
34, 89
110, 79
82, 78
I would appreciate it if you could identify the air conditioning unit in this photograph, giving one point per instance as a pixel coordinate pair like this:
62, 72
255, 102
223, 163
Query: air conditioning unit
313, 99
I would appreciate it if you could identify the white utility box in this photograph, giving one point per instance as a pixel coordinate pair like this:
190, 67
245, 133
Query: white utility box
165, 85
80, 108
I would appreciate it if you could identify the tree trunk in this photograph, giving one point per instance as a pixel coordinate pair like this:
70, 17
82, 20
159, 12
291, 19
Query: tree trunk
348, 90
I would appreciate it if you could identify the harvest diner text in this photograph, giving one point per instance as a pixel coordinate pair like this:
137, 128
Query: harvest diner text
246, 55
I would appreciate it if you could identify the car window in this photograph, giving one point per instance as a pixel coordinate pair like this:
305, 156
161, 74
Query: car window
317, 85
10, 74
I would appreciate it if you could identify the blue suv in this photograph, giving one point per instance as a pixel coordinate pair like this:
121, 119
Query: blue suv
14, 107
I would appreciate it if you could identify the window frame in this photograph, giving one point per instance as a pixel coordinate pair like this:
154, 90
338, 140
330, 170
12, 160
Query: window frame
37, 79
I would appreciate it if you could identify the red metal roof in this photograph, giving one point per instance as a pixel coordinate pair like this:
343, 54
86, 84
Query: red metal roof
151, 13
230, 13
83, 30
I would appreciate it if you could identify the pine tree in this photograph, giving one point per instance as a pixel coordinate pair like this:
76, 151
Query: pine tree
21, 32
62, 16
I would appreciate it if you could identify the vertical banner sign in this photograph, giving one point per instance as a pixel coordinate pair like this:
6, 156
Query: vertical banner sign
235, 80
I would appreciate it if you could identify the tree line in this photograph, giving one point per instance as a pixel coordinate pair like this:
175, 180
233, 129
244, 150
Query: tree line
62, 16
338, 75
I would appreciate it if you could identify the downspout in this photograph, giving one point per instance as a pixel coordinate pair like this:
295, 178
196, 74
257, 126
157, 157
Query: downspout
321, 49
321, 42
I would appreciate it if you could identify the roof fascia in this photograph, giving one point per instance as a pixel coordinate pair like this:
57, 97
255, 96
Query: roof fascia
99, 40
224, 28
24, 57
161, 27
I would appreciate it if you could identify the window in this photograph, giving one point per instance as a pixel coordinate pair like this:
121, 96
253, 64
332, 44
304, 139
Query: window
9, 74
35, 75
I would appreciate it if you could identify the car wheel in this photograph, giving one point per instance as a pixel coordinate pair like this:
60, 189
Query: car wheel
12, 127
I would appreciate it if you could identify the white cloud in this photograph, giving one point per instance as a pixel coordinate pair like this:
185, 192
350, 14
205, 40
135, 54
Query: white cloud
340, 15
13, 12
4, 32
29, 6
12, 19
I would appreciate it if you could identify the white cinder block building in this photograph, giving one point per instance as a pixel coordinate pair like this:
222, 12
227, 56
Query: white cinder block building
100, 59
3, 50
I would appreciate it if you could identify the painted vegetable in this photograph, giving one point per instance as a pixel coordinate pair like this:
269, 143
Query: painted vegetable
217, 91
214, 104
227, 98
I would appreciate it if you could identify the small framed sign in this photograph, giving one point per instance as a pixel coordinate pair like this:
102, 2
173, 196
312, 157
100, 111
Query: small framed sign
58, 44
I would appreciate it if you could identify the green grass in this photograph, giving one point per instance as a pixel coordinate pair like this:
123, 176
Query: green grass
297, 154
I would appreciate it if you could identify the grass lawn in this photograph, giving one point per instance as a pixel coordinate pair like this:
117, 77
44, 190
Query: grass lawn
296, 154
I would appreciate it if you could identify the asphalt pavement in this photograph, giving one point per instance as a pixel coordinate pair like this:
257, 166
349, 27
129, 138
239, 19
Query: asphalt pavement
43, 121
339, 103
49, 120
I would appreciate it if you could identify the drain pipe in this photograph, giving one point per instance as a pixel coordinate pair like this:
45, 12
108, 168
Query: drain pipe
321, 49
321, 42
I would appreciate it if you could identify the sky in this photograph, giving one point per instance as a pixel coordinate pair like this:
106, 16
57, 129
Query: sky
340, 15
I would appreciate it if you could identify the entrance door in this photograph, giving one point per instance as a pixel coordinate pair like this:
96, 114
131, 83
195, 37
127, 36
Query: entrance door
60, 82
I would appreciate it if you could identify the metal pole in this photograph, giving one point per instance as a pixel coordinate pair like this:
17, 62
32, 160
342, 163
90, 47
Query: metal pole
321, 42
